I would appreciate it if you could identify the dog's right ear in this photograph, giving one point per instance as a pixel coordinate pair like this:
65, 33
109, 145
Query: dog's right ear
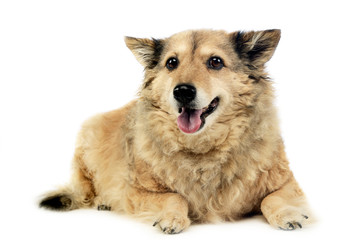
146, 51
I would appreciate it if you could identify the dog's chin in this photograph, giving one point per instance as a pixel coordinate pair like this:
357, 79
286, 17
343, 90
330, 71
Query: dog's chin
192, 120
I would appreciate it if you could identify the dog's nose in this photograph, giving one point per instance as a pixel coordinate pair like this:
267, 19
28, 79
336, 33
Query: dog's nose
184, 93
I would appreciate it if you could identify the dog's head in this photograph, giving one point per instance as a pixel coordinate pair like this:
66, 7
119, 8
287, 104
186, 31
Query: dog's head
202, 77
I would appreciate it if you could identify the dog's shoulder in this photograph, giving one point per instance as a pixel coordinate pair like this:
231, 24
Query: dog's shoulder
104, 125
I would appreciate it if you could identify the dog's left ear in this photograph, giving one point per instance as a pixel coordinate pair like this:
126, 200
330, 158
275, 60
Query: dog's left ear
256, 47
146, 51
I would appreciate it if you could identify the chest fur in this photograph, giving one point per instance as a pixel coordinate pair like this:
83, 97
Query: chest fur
216, 185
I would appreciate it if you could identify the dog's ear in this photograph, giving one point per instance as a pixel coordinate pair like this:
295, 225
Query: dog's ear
256, 47
146, 51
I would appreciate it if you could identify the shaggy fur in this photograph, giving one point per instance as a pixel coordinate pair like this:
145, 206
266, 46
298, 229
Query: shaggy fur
137, 160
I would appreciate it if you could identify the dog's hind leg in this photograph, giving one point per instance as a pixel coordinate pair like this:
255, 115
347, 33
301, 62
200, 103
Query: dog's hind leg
286, 208
169, 211
79, 193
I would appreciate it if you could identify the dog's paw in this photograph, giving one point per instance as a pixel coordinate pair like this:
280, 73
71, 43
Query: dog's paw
103, 207
289, 219
172, 223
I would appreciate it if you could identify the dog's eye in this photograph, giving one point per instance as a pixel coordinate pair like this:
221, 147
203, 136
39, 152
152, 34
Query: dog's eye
172, 63
215, 63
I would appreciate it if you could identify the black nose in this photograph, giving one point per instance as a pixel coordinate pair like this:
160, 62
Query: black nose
184, 93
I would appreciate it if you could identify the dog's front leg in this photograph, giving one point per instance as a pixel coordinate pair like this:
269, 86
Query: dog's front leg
286, 208
170, 210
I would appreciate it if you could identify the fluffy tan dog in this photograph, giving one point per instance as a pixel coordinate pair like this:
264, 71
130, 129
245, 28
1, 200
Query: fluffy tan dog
201, 143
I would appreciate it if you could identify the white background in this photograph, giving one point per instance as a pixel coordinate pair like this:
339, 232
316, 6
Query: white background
63, 61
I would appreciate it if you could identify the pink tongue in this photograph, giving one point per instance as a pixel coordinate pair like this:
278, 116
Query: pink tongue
189, 121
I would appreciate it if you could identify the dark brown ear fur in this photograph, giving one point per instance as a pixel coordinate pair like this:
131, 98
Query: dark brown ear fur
146, 51
255, 48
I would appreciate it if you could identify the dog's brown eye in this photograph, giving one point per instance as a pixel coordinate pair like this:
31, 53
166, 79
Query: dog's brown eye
172, 63
215, 63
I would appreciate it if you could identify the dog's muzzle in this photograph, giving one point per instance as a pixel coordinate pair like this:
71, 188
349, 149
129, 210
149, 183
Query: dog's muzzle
191, 119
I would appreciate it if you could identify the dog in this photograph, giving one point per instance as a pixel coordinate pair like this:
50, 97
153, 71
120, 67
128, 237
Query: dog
201, 143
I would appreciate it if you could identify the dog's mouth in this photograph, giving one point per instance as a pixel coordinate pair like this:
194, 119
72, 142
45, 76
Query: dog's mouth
192, 120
